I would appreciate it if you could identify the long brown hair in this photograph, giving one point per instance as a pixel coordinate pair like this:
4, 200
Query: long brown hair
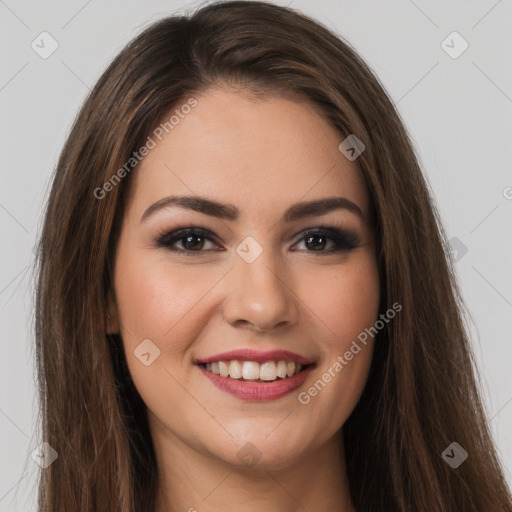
421, 394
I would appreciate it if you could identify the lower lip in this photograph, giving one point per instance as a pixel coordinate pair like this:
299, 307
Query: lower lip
258, 391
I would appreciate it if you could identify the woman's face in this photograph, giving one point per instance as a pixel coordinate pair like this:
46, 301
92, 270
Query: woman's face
258, 275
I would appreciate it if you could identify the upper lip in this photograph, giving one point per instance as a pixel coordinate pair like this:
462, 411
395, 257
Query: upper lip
257, 356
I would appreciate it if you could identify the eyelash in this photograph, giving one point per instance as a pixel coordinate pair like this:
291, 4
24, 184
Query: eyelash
344, 241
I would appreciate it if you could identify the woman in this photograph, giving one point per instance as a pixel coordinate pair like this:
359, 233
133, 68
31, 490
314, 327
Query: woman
244, 301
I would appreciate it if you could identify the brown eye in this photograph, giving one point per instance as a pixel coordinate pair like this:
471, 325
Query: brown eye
325, 240
189, 241
192, 242
316, 242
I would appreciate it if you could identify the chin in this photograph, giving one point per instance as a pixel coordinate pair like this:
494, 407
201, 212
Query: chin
267, 451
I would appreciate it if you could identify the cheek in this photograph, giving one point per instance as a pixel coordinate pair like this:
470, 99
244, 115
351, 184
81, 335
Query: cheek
346, 302
156, 299
345, 299
169, 305
161, 303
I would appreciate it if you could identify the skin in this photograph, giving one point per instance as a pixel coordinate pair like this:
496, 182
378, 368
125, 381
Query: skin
236, 149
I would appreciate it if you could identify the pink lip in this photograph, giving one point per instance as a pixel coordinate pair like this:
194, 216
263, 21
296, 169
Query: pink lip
258, 391
257, 356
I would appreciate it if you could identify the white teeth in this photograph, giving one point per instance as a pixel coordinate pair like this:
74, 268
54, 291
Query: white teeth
223, 369
235, 370
281, 369
268, 371
251, 370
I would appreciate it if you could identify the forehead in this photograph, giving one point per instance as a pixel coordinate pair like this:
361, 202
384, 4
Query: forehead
255, 153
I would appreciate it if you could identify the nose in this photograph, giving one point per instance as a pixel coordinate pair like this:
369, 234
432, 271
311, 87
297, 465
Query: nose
259, 295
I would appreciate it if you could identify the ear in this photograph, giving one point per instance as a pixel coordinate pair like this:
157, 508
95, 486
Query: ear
112, 326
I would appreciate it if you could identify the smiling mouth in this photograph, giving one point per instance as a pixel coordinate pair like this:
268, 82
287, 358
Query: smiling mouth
252, 371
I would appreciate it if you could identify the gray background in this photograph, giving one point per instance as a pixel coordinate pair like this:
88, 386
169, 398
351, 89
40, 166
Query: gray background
458, 112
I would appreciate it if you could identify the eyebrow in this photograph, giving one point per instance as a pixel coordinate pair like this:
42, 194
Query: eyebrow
231, 212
